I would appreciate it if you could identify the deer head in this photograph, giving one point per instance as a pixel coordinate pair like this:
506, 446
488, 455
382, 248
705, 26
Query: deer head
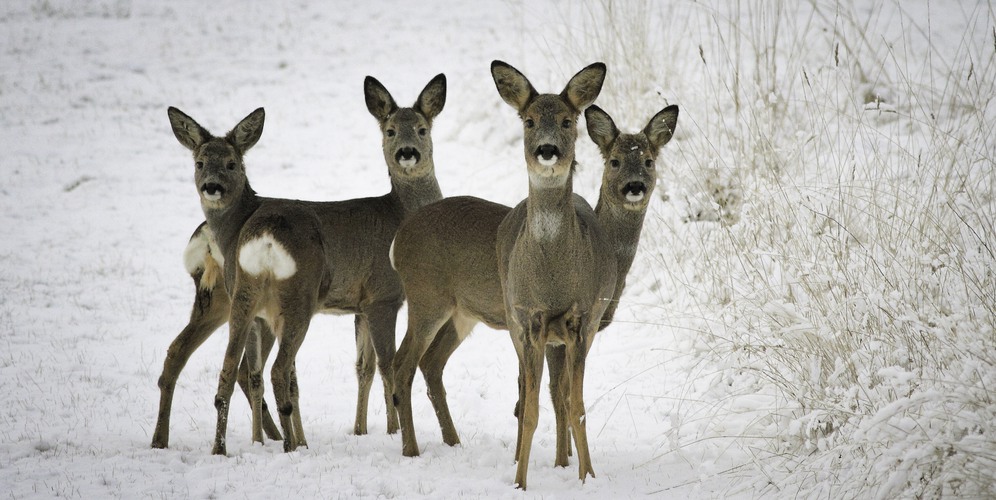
629, 177
406, 132
549, 120
219, 172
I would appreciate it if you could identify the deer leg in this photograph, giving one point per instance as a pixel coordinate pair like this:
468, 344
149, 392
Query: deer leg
519, 403
209, 312
284, 378
577, 353
241, 319
559, 385
295, 394
432, 364
531, 362
365, 367
266, 344
251, 379
420, 334
383, 319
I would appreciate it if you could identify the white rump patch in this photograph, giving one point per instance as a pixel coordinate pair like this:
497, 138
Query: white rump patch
266, 254
634, 197
545, 224
195, 253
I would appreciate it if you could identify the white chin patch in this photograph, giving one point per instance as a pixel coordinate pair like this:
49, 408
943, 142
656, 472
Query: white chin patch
211, 197
634, 197
547, 162
408, 163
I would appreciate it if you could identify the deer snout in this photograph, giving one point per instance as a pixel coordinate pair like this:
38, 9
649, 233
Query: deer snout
212, 191
407, 157
634, 191
547, 154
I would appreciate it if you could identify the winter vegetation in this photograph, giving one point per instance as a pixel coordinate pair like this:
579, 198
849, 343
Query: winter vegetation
831, 237
812, 311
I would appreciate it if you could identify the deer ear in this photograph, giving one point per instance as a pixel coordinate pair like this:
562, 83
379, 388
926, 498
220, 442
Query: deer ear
248, 131
186, 130
601, 128
661, 127
379, 100
433, 97
513, 87
584, 87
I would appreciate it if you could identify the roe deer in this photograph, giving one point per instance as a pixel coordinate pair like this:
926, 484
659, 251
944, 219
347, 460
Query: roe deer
446, 257
210, 311
351, 237
555, 263
628, 180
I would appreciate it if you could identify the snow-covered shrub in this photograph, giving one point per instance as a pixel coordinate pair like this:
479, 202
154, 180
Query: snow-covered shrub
832, 193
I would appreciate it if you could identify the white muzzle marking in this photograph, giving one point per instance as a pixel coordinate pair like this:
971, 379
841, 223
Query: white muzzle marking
548, 162
634, 197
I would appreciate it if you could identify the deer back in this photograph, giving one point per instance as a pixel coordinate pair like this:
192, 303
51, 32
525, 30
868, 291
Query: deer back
445, 255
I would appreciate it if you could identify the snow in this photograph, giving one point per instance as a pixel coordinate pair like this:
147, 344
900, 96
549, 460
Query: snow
810, 312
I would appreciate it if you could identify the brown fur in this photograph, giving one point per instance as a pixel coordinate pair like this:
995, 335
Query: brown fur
554, 261
448, 255
353, 238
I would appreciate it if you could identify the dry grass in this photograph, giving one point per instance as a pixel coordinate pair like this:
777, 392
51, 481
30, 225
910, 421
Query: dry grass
833, 178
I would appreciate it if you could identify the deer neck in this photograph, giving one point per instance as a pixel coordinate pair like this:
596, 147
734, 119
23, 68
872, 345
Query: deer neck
226, 223
412, 193
623, 226
550, 212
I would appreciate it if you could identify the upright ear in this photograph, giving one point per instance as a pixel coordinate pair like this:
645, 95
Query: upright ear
248, 131
433, 97
379, 100
186, 130
584, 87
661, 126
513, 87
601, 128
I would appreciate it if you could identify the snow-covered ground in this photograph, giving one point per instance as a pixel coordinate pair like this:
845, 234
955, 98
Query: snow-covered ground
811, 312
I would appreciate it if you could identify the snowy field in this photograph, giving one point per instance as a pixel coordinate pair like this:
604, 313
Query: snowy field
812, 312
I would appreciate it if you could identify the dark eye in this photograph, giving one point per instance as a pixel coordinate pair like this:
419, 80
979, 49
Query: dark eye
530, 123
566, 123
422, 131
648, 163
390, 132
231, 165
614, 162
199, 165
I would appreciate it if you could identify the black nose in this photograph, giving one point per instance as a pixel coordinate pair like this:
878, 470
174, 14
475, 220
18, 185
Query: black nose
212, 188
635, 187
407, 154
547, 151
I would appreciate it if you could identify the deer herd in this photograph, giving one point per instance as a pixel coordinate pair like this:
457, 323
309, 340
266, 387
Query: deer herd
550, 270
